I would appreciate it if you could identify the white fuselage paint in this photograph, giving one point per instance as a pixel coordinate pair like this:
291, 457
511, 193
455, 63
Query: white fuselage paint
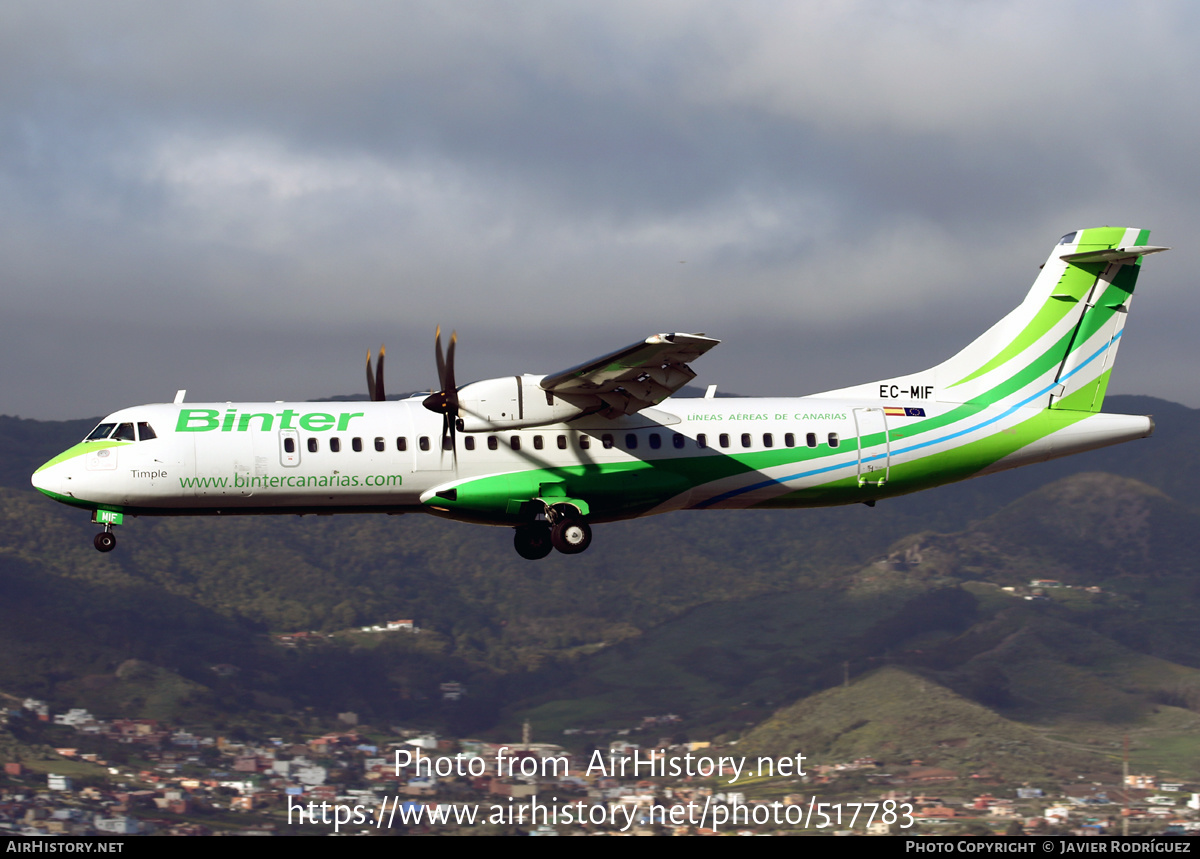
232, 468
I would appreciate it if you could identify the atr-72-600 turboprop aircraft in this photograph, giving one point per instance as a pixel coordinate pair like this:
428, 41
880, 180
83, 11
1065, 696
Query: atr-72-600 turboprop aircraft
551, 455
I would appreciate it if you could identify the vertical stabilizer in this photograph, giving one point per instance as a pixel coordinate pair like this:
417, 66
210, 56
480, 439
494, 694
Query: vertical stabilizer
1056, 349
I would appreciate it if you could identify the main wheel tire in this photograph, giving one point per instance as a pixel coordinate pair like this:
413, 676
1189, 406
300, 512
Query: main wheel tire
532, 542
571, 536
105, 541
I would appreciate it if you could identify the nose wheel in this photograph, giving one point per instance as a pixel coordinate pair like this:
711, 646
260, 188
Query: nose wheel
105, 541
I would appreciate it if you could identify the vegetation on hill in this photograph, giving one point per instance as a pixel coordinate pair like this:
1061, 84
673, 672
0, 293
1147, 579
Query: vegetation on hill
723, 618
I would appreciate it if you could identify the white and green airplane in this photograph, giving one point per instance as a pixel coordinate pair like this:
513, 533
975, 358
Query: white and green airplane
550, 455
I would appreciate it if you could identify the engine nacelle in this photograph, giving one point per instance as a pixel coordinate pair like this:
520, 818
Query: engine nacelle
513, 402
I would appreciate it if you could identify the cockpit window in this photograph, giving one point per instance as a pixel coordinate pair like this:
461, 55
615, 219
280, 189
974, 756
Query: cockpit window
1068, 238
145, 431
124, 433
100, 432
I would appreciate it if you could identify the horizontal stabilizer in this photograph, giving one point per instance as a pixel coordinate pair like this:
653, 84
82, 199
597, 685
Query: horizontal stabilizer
1114, 255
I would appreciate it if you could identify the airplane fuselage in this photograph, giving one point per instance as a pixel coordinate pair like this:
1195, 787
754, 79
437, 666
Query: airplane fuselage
222, 458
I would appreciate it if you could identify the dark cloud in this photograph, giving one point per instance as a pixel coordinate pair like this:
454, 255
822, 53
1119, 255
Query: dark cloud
249, 194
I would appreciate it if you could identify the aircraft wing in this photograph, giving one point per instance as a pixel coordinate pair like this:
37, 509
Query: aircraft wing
628, 380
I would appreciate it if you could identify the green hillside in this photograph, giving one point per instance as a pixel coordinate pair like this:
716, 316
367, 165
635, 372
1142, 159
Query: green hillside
722, 618
903, 720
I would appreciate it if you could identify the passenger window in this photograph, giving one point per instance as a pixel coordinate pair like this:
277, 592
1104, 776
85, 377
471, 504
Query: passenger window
356, 443
423, 442
515, 443
312, 445
469, 442
100, 432
768, 440
607, 441
289, 445
701, 440
401, 443
335, 444
745, 439
145, 432
447, 443
678, 440
585, 442
811, 439
789, 439
655, 440
630, 441
493, 443
538, 444
380, 444
723, 439
833, 439
562, 442
124, 433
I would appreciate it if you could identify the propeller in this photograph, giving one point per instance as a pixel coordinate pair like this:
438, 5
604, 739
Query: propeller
375, 379
445, 401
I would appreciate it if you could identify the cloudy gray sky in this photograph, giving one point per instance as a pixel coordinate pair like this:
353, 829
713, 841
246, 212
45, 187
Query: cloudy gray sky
239, 198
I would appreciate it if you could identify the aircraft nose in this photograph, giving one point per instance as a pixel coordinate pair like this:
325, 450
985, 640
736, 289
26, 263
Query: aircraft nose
46, 479
49, 479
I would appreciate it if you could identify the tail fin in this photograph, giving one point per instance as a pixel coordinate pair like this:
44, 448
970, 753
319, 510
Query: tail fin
1056, 349
1058, 346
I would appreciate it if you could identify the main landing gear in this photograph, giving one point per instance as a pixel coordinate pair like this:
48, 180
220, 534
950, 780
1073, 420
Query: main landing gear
571, 536
533, 541
563, 529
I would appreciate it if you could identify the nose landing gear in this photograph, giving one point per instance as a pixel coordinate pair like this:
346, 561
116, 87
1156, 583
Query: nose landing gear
106, 540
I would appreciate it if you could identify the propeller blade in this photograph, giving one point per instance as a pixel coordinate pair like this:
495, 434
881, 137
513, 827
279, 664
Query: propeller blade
377, 392
375, 379
441, 362
370, 377
448, 385
445, 400
448, 433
